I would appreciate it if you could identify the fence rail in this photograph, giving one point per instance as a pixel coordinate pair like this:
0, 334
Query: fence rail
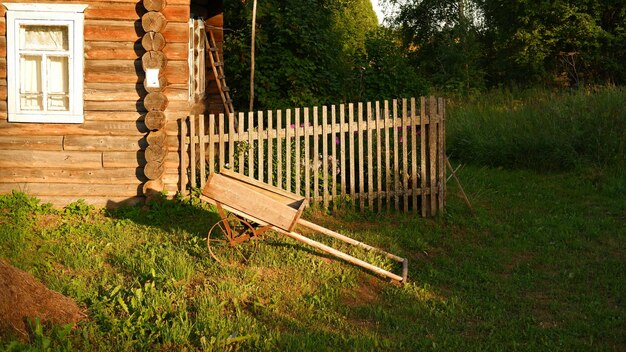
381, 156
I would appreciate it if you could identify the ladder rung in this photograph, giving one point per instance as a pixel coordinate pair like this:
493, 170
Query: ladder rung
218, 63
225, 89
213, 49
220, 77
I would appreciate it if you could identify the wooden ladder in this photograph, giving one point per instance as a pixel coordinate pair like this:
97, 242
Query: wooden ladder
218, 72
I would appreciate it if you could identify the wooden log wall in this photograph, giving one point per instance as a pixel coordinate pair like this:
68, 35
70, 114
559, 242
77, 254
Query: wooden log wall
104, 160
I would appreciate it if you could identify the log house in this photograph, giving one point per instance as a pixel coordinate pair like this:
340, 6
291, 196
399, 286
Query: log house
96, 124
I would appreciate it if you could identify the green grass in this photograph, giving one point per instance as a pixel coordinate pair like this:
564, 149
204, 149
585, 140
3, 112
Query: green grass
540, 267
540, 129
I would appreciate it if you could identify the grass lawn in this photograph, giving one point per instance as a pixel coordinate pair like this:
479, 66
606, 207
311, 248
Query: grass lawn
542, 266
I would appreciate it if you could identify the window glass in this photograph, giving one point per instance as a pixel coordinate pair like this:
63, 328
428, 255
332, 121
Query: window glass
38, 37
31, 94
58, 83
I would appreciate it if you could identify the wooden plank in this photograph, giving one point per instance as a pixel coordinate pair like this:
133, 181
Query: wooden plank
69, 189
315, 158
423, 155
388, 125
54, 175
3, 27
193, 120
3, 92
307, 158
441, 172
289, 130
351, 145
261, 152
88, 128
250, 144
270, 154
221, 139
379, 166
297, 151
414, 151
54, 159
183, 157
202, 150
104, 143
396, 161
134, 159
129, 91
333, 148
405, 142
3, 68
231, 140
104, 10
236, 195
131, 71
131, 31
342, 144
444, 155
242, 152
361, 159
279, 149
370, 160
325, 156
211, 139
29, 142
3, 46
287, 198
131, 50
432, 151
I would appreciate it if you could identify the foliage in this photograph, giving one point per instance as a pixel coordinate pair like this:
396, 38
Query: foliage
464, 45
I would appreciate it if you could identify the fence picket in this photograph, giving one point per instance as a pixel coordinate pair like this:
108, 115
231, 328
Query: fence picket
297, 151
315, 159
333, 143
351, 146
396, 166
211, 142
379, 167
432, 150
379, 172
405, 164
370, 162
251, 147
414, 132
279, 149
325, 156
387, 155
288, 136
240, 151
192, 152
307, 158
269, 148
423, 155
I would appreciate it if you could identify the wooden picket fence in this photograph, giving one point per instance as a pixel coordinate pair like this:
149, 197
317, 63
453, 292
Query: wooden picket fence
388, 155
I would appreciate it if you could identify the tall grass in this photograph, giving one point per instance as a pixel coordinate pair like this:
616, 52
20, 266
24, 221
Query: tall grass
540, 129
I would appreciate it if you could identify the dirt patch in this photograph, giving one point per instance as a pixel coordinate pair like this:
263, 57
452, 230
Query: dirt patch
23, 297
365, 294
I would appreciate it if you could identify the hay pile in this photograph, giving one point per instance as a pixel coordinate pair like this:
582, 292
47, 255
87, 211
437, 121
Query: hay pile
22, 297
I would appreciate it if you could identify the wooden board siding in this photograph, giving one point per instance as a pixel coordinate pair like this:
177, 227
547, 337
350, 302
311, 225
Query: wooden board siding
102, 159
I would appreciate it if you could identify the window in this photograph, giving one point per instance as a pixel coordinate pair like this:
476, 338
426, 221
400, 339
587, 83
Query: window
45, 62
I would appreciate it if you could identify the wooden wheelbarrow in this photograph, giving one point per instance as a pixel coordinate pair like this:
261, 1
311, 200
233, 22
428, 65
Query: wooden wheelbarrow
248, 208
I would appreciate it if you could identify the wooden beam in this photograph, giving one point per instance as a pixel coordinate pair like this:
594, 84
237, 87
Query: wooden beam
104, 143
104, 10
31, 142
73, 190
51, 175
129, 71
108, 202
55, 159
131, 50
129, 31
134, 159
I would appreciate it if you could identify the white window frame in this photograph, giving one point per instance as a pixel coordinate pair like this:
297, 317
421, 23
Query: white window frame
70, 15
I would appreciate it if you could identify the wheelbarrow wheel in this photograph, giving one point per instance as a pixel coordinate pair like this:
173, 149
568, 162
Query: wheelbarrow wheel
232, 240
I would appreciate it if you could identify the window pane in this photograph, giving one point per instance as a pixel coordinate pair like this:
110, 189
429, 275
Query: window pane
58, 102
30, 83
58, 74
37, 37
